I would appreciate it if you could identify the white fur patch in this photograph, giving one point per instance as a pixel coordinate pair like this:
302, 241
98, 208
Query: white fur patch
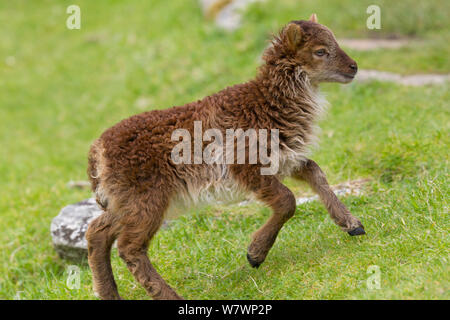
219, 187
293, 156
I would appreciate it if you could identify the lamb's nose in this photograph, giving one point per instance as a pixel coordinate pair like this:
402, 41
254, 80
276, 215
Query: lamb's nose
354, 67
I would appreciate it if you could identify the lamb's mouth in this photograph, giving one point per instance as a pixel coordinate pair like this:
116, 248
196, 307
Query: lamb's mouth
346, 77
349, 76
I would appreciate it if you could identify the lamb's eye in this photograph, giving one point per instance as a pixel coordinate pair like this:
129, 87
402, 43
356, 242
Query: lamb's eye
320, 52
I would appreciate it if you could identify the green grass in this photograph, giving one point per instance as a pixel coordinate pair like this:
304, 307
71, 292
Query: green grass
66, 87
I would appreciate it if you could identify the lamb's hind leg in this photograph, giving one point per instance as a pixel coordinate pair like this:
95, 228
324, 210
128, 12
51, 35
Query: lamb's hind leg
142, 221
100, 236
314, 176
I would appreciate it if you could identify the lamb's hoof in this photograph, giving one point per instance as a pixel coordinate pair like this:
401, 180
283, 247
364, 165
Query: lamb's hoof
357, 231
253, 262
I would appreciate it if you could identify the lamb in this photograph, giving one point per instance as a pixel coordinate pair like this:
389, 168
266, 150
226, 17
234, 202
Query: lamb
137, 181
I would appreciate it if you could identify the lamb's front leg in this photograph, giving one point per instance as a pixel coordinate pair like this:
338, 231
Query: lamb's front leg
314, 176
274, 194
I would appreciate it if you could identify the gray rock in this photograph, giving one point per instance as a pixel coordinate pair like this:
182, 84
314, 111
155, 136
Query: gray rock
226, 13
69, 227
408, 80
373, 44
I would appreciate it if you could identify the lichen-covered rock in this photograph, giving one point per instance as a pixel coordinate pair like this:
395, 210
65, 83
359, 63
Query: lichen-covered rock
69, 227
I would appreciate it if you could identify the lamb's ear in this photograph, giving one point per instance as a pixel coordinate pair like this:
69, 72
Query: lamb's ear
293, 33
313, 18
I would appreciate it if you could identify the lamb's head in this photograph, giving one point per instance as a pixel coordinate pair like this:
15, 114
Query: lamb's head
313, 48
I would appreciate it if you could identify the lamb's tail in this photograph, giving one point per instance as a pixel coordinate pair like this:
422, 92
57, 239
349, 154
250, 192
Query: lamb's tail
94, 171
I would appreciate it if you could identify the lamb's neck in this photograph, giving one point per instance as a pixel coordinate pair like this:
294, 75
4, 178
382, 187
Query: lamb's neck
290, 92
294, 105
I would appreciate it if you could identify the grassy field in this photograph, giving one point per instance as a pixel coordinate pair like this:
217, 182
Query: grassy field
60, 89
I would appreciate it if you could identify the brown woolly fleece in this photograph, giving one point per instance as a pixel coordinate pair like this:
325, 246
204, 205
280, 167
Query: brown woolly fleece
136, 181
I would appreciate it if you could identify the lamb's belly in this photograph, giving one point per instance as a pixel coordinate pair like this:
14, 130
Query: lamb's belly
218, 187
221, 190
